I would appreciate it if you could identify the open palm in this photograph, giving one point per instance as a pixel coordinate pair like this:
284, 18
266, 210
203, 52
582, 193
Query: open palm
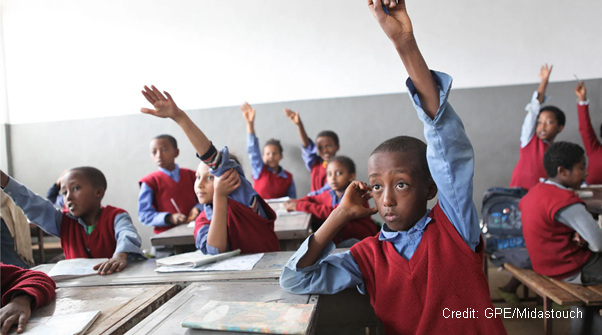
292, 115
164, 106
248, 112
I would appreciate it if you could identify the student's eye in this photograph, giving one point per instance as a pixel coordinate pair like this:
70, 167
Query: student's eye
401, 186
339, 173
210, 178
376, 187
76, 188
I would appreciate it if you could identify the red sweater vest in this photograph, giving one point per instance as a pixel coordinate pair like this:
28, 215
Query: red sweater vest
100, 243
530, 167
165, 189
593, 147
548, 241
34, 283
247, 230
318, 175
443, 276
320, 206
270, 186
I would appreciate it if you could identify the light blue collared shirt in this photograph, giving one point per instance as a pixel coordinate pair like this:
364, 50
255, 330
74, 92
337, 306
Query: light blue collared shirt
324, 188
257, 164
43, 213
244, 194
450, 158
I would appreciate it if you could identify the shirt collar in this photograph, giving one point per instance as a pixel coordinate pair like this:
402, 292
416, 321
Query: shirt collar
281, 174
333, 195
547, 181
171, 174
386, 234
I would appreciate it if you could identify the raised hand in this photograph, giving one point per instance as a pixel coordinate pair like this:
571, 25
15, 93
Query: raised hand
248, 112
397, 24
352, 204
227, 183
581, 92
164, 107
292, 116
545, 71
115, 264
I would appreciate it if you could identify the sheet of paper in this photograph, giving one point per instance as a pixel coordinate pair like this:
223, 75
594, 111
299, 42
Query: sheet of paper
283, 199
76, 323
238, 263
195, 259
76, 267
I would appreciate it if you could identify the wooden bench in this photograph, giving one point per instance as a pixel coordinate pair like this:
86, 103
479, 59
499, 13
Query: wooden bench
564, 294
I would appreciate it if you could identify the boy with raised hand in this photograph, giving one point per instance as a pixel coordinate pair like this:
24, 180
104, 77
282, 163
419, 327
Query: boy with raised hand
593, 146
540, 128
425, 265
86, 228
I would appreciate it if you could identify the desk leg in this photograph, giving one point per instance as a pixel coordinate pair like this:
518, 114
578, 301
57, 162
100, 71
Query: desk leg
547, 322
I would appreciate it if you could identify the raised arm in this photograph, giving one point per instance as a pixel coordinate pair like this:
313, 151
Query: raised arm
588, 135
544, 75
296, 119
249, 114
217, 235
165, 107
398, 27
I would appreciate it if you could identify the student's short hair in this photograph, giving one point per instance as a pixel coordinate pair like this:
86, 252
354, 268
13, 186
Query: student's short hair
345, 161
329, 133
563, 154
558, 113
274, 142
170, 138
409, 145
93, 175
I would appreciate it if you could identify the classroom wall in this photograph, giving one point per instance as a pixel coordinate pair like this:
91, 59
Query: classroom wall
72, 59
119, 145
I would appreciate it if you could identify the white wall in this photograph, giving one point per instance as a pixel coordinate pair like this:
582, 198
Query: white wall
69, 59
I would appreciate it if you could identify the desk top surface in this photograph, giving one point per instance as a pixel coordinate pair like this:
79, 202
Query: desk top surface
167, 319
594, 204
269, 267
121, 307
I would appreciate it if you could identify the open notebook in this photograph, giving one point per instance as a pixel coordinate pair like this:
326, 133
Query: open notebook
253, 317
77, 323
194, 259
76, 267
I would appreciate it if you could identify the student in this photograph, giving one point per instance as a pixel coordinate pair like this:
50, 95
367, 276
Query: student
316, 156
424, 264
22, 292
86, 229
552, 213
271, 180
167, 196
340, 172
234, 216
593, 147
539, 130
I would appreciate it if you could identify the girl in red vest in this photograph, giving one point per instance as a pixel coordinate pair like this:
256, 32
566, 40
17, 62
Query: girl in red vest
340, 173
271, 180
234, 216
425, 268
22, 292
593, 146
86, 229
166, 197
316, 156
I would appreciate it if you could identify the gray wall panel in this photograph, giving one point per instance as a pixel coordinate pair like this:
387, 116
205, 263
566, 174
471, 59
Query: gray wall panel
119, 145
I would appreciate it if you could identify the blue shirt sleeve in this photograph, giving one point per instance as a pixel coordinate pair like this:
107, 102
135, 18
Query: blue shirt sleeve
201, 242
147, 214
245, 193
254, 155
37, 209
292, 191
53, 195
126, 235
329, 275
324, 188
450, 158
310, 155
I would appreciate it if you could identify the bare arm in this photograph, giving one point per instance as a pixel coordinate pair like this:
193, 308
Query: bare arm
544, 75
296, 119
248, 113
217, 236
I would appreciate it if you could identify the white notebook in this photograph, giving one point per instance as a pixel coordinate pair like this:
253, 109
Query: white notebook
76, 267
194, 259
76, 324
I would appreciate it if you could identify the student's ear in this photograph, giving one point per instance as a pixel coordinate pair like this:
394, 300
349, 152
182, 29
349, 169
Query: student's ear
177, 153
560, 128
99, 193
352, 176
562, 171
432, 190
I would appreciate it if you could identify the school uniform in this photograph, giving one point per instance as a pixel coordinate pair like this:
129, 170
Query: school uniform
17, 281
593, 147
248, 214
156, 191
529, 168
440, 255
551, 214
315, 164
113, 233
269, 184
320, 206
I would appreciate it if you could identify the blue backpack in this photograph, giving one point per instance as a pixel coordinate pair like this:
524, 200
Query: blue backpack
501, 223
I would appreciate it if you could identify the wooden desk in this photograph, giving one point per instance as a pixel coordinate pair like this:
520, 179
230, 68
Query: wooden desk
269, 267
121, 307
291, 231
594, 204
167, 319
